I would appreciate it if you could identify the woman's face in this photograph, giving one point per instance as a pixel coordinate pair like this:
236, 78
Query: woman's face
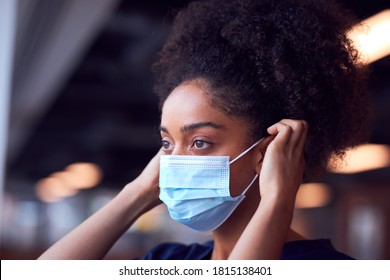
191, 126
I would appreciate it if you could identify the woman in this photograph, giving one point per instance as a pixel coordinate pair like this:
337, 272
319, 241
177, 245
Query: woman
240, 83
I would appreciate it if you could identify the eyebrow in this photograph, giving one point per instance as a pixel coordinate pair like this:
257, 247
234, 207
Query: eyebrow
193, 126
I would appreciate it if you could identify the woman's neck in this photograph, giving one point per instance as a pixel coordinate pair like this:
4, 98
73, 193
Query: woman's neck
227, 235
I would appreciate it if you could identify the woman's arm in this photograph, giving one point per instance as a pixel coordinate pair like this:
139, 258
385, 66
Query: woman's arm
281, 174
95, 236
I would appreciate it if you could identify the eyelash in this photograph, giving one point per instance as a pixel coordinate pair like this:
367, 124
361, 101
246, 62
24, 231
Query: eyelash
208, 144
163, 142
203, 142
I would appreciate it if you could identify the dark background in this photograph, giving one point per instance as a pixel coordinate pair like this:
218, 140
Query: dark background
107, 113
105, 110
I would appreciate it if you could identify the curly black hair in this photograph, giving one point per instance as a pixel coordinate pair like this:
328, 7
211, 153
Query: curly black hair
267, 60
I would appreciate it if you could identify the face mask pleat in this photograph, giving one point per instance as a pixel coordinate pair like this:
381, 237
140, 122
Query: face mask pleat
185, 161
194, 177
180, 194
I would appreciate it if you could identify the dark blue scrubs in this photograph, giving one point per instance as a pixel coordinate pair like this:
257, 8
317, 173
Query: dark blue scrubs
318, 249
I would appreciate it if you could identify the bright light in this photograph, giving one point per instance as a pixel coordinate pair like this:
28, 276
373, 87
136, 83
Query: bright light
372, 37
53, 189
83, 175
363, 158
68, 182
67, 178
313, 195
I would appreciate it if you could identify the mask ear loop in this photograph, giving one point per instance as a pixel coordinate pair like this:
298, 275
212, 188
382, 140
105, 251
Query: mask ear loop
247, 150
240, 156
250, 184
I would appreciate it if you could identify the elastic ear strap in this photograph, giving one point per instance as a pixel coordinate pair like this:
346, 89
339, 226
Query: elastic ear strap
244, 152
247, 188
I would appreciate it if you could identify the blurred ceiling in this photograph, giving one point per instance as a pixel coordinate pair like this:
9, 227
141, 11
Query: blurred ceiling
82, 90
51, 37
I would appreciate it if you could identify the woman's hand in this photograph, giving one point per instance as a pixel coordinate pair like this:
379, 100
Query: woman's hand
284, 162
148, 180
281, 174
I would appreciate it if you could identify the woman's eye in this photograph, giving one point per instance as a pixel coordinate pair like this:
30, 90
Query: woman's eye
166, 145
200, 144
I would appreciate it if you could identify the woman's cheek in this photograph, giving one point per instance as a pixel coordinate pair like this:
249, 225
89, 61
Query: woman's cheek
240, 178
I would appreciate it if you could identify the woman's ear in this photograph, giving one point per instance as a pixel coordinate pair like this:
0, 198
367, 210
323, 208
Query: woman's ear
260, 152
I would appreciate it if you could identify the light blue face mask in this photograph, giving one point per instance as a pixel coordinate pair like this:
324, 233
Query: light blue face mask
196, 189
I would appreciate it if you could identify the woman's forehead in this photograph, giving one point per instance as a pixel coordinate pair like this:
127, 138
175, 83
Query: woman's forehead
189, 107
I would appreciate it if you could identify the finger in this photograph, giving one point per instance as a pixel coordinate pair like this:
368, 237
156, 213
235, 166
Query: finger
155, 161
302, 141
282, 133
264, 144
299, 130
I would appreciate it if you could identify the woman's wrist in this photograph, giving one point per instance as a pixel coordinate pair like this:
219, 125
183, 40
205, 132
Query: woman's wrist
280, 207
